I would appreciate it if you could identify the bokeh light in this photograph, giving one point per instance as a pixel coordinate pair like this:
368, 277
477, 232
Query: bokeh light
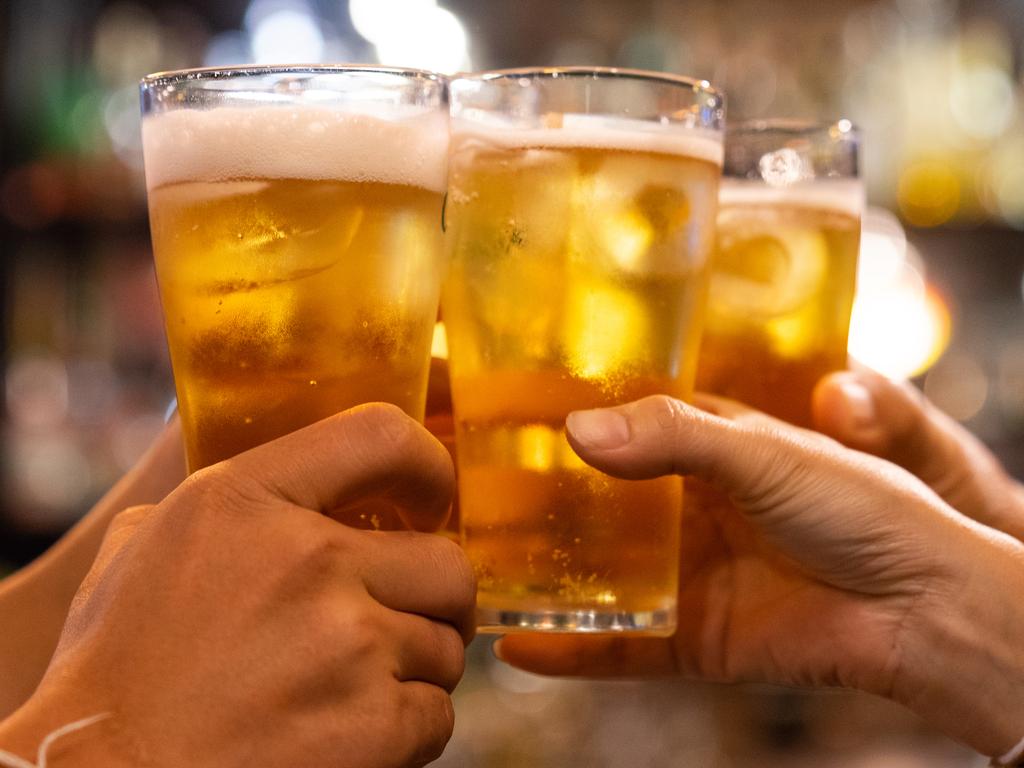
127, 43
227, 49
958, 386
929, 193
899, 326
439, 343
412, 33
37, 391
1009, 384
284, 32
982, 101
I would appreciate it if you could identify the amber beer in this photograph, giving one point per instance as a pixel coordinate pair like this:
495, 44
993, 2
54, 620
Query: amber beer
577, 279
298, 252
782, 286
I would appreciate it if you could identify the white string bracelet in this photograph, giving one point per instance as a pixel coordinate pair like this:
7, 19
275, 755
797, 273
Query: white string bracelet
13, 761
1011, 757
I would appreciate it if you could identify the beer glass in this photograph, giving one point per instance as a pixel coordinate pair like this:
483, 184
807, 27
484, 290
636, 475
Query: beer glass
785, 265
580, 217
296, 223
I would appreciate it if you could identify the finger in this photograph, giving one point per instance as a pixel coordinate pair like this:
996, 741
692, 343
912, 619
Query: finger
424, 720
422, 574
828, 508
870, 413
574, 656
429, 651
658, 436
733, 410
427, 720
371, 451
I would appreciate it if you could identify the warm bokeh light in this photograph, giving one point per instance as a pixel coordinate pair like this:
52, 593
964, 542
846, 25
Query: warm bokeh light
958, 386
899, 333
412, 33
929, 193
439, 344
900, 326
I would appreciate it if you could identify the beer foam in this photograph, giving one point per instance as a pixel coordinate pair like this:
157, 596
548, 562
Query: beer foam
595, 132
395, 146
840, 195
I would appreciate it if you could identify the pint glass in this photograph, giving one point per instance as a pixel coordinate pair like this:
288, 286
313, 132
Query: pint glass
785, 266
580, 218
296, 222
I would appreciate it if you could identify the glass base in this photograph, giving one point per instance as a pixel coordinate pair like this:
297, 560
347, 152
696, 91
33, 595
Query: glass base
659, 623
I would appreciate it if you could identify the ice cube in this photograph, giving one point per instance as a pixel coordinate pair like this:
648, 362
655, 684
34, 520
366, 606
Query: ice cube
762, 273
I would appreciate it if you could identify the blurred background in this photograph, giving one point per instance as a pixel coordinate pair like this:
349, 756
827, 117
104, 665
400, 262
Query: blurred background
936, 85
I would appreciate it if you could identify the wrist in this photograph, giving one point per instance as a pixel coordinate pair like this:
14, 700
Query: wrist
70, 740
962, 663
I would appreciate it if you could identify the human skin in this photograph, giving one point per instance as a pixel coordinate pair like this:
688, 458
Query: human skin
892, 420
34, 601
831, 567
235, 623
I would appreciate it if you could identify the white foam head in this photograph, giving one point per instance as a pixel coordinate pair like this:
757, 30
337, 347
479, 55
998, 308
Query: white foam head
594, 132
395, 146
840, 195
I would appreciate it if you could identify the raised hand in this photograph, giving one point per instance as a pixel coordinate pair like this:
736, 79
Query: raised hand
866, 411
236, 624
834, 568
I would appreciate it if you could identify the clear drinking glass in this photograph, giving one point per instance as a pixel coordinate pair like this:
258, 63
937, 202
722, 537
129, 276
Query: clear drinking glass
580, 217
296, 222
785, 266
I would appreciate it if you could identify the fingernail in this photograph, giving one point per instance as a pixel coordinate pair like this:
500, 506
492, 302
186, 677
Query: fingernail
860, 402
602, 429
496, 649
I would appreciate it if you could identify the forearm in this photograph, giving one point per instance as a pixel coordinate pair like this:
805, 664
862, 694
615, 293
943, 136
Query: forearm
34, 602
963, 661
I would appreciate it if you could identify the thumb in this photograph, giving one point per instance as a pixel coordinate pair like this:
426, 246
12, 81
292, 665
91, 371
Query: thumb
372, 456
828, 508
891, 420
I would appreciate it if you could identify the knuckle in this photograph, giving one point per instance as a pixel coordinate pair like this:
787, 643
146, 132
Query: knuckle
452, 652
314, 552
667, 412
452, 566
673, 434
361, 631
130, 517
387, 421
216, 490
781, 462
436, 717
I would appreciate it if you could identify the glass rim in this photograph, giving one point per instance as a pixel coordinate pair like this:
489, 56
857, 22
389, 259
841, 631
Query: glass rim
795, 126
646, 75
212, 74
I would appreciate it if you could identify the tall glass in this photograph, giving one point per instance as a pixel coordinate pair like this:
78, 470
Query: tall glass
580, 218
785, 265
296, 222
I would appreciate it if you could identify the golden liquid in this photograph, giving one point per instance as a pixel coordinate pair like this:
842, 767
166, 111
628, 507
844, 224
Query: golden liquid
779, 305
288, 300
577, 281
